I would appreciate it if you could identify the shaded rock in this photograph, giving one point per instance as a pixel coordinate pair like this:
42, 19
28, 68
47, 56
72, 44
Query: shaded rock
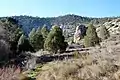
31, 63
79, 33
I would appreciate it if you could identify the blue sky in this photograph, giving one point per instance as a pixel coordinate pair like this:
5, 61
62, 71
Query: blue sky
50, 8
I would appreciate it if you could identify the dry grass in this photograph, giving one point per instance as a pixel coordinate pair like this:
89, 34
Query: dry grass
103, 63
9, 73
12, 73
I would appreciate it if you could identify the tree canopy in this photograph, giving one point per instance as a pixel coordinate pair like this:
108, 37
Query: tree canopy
55, 40
91, 38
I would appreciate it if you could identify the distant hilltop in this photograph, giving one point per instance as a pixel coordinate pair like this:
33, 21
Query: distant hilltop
29, 22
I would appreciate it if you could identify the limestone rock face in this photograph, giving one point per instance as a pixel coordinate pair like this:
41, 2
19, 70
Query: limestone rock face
79, 33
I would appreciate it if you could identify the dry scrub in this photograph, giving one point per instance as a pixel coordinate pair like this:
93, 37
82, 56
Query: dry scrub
9, 73
102, 63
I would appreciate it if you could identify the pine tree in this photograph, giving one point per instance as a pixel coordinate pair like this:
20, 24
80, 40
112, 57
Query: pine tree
31, 37
14, 38
55, 41
44, 32
36, 39
104, 34
23, 44
91, 38
32, 32
38, 30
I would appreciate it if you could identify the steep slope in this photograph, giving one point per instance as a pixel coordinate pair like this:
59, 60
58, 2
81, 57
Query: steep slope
112, 26
68, 21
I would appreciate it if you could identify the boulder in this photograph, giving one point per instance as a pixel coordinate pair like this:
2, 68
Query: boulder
79, 33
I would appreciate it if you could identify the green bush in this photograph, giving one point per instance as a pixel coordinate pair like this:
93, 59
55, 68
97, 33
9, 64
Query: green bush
24, 45
91, 38
36, 39
76, 54
55, 41
44, 32
104, 34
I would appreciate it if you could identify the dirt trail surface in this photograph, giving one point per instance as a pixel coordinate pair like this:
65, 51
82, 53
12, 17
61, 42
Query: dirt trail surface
44, 56
108, 47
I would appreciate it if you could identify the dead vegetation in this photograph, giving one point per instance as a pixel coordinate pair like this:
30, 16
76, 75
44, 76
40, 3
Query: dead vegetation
10, 73
101, 63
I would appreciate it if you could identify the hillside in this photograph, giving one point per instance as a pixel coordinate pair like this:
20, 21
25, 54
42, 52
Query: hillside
95, 63
76, 62
69, 21
112, 26
29, 22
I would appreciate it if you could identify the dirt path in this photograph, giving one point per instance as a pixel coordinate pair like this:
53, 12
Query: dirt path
67, 55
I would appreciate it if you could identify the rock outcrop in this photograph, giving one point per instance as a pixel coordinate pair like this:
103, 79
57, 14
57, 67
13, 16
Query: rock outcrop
79, 33
113, 26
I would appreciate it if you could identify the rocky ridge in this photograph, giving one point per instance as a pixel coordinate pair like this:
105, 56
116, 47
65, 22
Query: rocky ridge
112, 26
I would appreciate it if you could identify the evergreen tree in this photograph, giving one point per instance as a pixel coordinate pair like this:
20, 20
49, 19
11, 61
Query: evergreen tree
36, 39
55, 41
32, 36
32, 32
14, 38
104, 34
38, 30
13, 32
23, 44
91, 38
44, 32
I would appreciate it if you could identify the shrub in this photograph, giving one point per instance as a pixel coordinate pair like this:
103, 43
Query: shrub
55, 40
63, 47
9, 73
104, 34
91, 38
24, 45
36, 39
76, 54
44, 32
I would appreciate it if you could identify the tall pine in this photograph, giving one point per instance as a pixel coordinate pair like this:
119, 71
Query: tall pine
36, 39
44, 32
91, 38
23, 44
32, 32
104, 33
55, 40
